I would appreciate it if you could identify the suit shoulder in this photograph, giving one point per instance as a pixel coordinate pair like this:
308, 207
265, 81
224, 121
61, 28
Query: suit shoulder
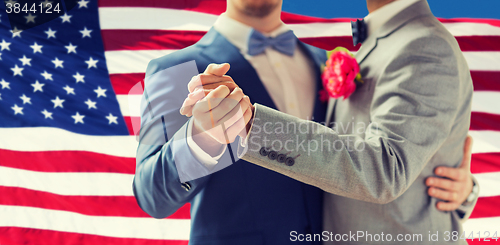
178, 57
428, 33
320, 54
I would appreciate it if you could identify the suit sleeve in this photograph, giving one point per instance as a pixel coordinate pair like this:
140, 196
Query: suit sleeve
163, 156
415, 103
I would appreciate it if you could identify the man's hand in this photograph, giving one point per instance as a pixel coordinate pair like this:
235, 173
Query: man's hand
454, 184
218, 106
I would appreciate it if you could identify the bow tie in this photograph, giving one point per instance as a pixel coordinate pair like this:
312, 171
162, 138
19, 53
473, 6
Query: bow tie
284, 43
359, 31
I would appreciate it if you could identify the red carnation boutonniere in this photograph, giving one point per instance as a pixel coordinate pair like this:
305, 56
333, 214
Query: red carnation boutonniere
340, 75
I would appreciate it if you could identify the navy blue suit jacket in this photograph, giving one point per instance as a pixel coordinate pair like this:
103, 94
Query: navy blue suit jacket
240, 204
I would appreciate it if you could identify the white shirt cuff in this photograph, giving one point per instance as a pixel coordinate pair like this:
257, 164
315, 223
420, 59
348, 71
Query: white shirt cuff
199, 153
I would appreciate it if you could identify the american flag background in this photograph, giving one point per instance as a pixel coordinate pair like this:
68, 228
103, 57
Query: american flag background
69, 112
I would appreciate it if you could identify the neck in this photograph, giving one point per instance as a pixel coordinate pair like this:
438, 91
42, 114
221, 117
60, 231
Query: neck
373, 5
264, 24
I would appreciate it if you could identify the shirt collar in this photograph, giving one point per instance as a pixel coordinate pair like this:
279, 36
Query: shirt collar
237, 33
378, 18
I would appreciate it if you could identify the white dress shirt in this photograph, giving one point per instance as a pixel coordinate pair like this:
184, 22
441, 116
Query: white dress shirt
289, 80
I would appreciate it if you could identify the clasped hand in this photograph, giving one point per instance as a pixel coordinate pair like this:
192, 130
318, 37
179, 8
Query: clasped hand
220, 109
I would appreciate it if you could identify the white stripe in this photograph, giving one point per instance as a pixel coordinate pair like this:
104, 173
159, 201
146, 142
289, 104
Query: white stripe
54, 139
485, 226
133, 18
485, 141
137, 61
142, 228
488, 184
483, 61
472, 29
70, 184
486, 101
132, 61
130, 105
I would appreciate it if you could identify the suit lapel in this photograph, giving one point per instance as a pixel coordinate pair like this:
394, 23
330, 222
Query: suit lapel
217, 49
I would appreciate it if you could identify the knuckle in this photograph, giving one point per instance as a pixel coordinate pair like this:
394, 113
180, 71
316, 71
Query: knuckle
454, 196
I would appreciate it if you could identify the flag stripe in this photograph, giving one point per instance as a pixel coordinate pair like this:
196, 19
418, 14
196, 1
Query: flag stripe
124, 227
483, 61
490, 224
125, 206
485, 121
171, 39
119, 62
219, 6
114, 184
74, 161
130, 104
485, 141
488, 184
136, 61
146, 18
484, 101
486, 207
482, 242
123, 83
133, 124
485, 162
74, 184
54, 139
486, 80
149, 39
20, 235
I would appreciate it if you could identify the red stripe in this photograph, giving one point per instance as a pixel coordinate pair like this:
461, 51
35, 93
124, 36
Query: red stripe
67, 161
484, 121
486, 207
486, 80
478, 43
122, 206
149, 39
493, 22
130, 121
168, 39
123, 83
485, 163
19, 236
489, 241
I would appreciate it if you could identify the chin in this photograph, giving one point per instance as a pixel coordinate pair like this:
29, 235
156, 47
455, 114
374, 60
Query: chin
259, 8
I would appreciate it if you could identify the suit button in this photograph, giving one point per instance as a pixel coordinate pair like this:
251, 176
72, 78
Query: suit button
186, 186
281, 158
290, 161
272, 155
263, 151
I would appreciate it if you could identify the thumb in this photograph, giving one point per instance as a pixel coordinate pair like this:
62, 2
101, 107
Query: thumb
217, 69
467, 152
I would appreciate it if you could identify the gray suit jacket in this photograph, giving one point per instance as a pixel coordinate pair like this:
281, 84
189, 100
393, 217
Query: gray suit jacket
411, 115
